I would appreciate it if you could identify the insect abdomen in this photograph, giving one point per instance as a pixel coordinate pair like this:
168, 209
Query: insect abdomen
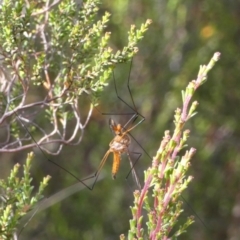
116, 164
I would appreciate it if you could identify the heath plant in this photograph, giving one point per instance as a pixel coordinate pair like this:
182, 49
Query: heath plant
61, 50
158, 204
18, 198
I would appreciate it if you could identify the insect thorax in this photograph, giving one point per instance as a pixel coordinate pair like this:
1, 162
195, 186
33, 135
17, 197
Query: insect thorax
120, 143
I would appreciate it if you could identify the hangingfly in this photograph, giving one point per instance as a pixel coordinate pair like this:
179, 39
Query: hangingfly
118, 146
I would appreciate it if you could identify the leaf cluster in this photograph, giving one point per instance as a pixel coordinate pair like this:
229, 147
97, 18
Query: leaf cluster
17, 197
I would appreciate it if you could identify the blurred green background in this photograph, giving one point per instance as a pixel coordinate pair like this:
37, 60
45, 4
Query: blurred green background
183, 35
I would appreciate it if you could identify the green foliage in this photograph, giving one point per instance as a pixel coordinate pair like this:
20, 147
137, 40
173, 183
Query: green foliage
63, 49
17, 198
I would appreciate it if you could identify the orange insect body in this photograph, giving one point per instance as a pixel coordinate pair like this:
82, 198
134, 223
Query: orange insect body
118, 146
116, 164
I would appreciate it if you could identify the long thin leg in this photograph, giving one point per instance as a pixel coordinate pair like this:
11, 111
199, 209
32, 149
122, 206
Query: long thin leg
131, 128
139, 145
135, 114
49, 160
132, 170
44, 154
98, 170
34, 213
